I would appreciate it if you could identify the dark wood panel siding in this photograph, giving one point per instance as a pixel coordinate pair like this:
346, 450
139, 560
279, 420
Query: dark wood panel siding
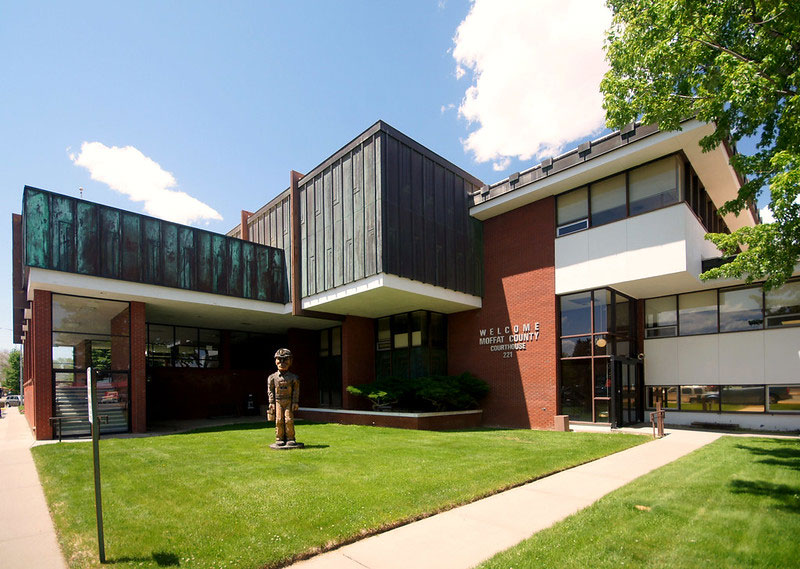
66, 234
341, 226
428, 235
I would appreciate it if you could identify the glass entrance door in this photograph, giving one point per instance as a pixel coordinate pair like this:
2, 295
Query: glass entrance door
627, 400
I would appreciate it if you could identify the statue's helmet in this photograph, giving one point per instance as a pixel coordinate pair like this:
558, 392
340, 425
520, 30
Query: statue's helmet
283, 353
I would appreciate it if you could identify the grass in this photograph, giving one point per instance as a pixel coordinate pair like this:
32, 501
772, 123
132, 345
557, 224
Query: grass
221, 498
732, 504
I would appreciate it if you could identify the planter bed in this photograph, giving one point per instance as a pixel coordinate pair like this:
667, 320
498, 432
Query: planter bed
441, 421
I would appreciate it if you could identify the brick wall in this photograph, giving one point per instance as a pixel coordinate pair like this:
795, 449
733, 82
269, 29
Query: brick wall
519, 288
358, 358
138, 345
41, 406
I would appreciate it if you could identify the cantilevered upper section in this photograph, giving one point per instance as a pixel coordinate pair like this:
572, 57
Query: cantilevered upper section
614, 153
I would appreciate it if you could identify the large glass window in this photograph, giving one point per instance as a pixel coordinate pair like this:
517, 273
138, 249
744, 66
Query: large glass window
90, 333
609, 200
576, 314
182, 346
576, 389
740, 309
595, 326
573, 206
782, 306
654, 185
661, 317
697, 313
784, 398
743, 398
411, 344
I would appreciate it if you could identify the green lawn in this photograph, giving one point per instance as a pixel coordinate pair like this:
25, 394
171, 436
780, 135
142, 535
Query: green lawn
221, 498
732, 504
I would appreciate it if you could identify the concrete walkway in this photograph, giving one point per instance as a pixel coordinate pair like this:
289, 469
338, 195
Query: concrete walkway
27, 537
466, 536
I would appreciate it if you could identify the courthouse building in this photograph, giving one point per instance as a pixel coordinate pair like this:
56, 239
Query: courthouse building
571, 288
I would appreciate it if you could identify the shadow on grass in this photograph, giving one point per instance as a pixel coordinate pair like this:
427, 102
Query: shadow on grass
779, 453
787, 496
162, 559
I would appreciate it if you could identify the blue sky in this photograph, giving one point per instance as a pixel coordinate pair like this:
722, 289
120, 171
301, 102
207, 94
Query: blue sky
219, 101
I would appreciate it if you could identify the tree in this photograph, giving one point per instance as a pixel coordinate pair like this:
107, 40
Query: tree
10, 371
734, 64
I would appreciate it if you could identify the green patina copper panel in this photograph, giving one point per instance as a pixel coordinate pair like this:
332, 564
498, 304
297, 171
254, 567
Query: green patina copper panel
169, 236
249, 271
235, 272
36, 207
62, 233
151, 258
87, 239
204, 262
131, 247
219, 271
263, 274
66, 234
186, 260
109, 243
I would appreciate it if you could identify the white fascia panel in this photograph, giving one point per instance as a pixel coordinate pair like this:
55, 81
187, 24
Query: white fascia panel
698, 360
782, 355
387, 287
661, 361
741, 357
113, 289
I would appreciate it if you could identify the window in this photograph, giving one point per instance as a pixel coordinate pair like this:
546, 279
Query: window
609, 200
784, 398
744, 398
411, 344
660, 317
782, 306
576, 314
740, 309
697, 313
572, 211
182, 346
654, 185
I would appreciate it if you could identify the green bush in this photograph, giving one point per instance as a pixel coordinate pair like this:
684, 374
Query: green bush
430, 393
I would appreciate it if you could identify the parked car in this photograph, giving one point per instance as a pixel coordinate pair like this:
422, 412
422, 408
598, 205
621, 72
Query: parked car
13, 400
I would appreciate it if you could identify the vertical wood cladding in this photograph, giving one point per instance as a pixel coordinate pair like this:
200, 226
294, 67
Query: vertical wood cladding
520, 290
340, 210
428, 234
385, 204
66, 234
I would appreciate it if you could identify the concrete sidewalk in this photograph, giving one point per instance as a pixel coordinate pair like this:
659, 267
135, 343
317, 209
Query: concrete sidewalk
27, 537
466, 536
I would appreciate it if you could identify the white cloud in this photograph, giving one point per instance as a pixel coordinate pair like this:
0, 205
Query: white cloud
139, 177
536, 67
766, 215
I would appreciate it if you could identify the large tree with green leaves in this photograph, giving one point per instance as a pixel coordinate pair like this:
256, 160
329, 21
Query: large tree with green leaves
735, 64
10, 371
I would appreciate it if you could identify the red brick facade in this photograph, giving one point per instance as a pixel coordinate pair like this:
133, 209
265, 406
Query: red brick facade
137, 375
358, 357
519, 289
39, 408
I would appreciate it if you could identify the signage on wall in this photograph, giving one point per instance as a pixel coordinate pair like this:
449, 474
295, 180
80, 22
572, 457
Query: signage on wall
509, 339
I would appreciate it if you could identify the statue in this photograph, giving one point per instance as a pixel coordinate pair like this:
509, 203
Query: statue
283, 389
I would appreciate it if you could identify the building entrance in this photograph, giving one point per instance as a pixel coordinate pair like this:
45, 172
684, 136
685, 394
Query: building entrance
626, 403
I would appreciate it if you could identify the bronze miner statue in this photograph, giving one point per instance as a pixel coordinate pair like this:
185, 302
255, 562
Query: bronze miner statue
283, 388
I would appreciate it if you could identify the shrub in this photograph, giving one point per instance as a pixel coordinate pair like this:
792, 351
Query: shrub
431, 393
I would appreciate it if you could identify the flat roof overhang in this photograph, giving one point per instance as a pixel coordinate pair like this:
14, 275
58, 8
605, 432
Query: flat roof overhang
165, 305
713, 169
385, 294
